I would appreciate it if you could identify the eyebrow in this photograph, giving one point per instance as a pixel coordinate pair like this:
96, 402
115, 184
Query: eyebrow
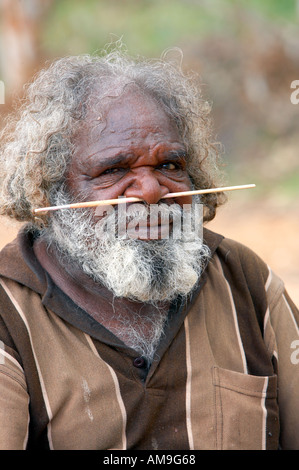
110, 161
123, 158
177, 154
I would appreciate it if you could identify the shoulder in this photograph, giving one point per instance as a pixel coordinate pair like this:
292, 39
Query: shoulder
19, 263
236, 256
249, 277
247, 273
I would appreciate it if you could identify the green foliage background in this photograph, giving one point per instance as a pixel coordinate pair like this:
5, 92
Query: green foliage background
149, 26
246, 53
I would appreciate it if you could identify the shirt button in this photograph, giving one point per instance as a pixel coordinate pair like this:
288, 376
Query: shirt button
139, 362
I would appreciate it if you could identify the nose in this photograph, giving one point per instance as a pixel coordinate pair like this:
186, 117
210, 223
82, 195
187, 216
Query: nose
146, 186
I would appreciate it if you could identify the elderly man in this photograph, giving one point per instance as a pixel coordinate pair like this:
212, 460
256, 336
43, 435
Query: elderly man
119, 342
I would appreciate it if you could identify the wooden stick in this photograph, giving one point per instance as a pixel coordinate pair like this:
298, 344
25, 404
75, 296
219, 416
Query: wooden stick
123, 200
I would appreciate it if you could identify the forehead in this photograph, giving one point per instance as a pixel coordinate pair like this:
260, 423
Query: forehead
131, 119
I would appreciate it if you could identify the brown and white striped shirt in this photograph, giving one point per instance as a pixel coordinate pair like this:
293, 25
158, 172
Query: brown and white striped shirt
226, 374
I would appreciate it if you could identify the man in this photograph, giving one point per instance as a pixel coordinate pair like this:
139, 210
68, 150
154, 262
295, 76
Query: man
119, 342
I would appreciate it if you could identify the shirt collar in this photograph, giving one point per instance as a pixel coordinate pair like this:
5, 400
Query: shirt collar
19, 263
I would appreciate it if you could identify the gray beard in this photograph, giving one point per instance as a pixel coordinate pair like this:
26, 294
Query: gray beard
151, 272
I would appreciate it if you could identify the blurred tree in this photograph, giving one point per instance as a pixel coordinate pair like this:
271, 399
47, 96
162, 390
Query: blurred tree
21, 22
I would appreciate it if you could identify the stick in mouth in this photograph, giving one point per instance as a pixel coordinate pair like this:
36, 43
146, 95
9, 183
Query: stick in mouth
123, 200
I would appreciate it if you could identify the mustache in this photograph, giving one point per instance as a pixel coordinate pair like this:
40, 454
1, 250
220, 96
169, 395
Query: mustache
155, 221
133, 208
140, 221
137, 220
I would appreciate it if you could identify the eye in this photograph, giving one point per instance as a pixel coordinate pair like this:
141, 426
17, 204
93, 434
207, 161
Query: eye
110, 171
171, 166
109, 176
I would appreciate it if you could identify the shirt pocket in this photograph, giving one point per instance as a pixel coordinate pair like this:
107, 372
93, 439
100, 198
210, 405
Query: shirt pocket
246, 407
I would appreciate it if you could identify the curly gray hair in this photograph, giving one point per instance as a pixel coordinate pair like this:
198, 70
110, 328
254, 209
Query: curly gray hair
37, 143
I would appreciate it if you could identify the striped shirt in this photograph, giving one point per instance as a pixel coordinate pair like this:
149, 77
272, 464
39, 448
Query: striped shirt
226, 374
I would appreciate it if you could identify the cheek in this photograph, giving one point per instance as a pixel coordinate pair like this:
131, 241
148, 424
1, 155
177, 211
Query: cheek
183, 185
74, 183
88, 190
182, 200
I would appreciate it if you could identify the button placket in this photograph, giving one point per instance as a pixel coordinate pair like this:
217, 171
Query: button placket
139, 362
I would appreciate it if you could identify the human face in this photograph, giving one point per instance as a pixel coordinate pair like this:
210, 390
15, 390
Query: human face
135, 151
